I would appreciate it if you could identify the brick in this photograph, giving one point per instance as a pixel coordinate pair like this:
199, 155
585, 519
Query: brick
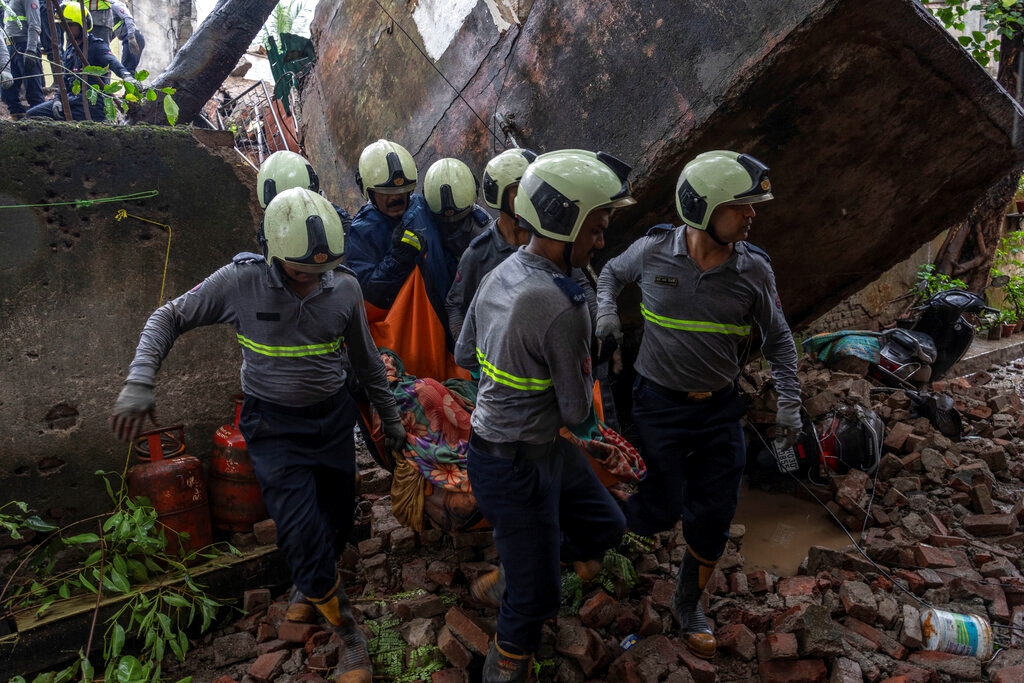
882, 640
268, 666
1011, 674
981, 500
990, 525
908, 673
454, 650
294, 632
370, 547
793, 586
958, 666
599, 610
760, 581
584, 646
738, 641
928, 556
233, 648
265, 632
859, 601
650, 620
275, 645
450, 676
897, 436
846, 671
738, 584
467, 631
325, 658
911, 635
441, 573
419, 607
265, 532
799, 671
661, 593
778, 646
255, 600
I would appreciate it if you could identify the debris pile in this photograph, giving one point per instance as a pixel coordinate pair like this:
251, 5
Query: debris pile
936, 526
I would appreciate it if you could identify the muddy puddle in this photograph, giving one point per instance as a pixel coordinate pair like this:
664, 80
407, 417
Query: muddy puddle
780, 529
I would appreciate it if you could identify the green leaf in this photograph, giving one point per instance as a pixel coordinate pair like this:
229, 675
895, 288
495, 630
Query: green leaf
93, 558
175, 600
151, 94
171, 110
141, 75
95, 70
116, 581
168, 91
91, 94
129, 670
109, 110
36, 524
45, 606
64, 591
111, 88
116, 641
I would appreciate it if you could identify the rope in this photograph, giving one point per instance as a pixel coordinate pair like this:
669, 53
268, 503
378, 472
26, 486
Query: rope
87, 203
121, 215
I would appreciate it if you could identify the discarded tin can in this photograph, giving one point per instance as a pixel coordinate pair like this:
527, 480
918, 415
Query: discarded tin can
958, 634
628, 642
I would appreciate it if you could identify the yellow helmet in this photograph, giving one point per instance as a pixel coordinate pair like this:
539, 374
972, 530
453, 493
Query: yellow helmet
302, 230
450, 188
559, 189
717, 178
72, 13
282, 171
386, 167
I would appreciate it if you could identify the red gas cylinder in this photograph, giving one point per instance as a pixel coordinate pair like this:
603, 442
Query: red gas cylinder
175, 485
235, 500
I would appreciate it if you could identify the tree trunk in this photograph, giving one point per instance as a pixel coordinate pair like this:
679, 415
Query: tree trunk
967, 253
210, 54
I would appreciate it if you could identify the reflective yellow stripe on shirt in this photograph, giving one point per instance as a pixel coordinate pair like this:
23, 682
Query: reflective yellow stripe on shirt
290, 351
502, 377
693, 325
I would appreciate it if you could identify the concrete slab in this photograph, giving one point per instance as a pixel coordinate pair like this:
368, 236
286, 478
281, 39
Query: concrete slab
984, 353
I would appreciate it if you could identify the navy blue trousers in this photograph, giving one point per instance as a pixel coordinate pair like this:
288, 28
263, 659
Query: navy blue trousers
27, 75
130, 61
305, 463
546, 506
695, 454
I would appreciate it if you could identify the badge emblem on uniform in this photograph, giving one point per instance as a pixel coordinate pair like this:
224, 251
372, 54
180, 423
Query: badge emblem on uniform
666, 280
320, 257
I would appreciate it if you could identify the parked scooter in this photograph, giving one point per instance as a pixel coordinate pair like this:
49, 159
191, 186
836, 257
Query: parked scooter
938, 335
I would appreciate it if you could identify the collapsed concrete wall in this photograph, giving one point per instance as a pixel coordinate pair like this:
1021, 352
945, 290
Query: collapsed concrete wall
76, 285
880, 130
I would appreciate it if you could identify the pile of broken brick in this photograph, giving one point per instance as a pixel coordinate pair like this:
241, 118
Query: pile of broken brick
936, 526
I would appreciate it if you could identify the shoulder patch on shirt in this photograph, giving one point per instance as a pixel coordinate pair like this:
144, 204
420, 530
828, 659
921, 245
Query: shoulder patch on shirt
759, 251
480, 216
570, 288
661, 227
247, 257
666, 280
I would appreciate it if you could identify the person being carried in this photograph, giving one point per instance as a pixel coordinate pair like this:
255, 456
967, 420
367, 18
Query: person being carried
701, 285
295, 310
528, 334
502, 237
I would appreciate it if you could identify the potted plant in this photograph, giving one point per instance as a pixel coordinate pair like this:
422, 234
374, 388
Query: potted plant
1008, 319
1018, 197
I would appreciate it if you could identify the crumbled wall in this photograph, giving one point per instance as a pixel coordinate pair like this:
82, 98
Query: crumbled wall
76, 286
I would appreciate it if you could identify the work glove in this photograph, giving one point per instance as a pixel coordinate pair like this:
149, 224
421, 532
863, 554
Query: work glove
6, 79
30, 58
787, 427
133, 404
608, 325
394, 435
133, 45
406, 244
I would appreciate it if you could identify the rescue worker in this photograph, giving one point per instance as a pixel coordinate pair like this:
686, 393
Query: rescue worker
102, 12
99, 55
450, 189
23, 27
527, 332
6, 78
125, 30
502, 237
702, 285
284, 170
293, 308
393, 233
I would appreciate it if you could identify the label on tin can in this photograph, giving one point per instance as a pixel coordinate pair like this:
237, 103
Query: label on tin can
628, 642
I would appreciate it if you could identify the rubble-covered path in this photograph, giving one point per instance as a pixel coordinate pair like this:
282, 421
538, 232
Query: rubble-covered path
936, 527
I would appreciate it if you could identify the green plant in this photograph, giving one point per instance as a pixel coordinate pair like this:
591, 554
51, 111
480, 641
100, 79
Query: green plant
1019, 194
388, 651
1003, 19
124, 558
291, 17
928, 282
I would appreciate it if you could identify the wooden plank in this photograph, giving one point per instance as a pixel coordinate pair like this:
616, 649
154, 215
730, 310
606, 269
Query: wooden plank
53, 640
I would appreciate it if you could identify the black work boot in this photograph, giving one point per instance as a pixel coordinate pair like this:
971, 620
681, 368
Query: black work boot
693, 576
504, 666
354, 664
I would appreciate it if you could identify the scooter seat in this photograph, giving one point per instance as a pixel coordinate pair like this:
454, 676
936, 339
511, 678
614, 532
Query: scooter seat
919, 344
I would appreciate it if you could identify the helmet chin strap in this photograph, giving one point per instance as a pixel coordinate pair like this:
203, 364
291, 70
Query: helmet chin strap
567, 257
